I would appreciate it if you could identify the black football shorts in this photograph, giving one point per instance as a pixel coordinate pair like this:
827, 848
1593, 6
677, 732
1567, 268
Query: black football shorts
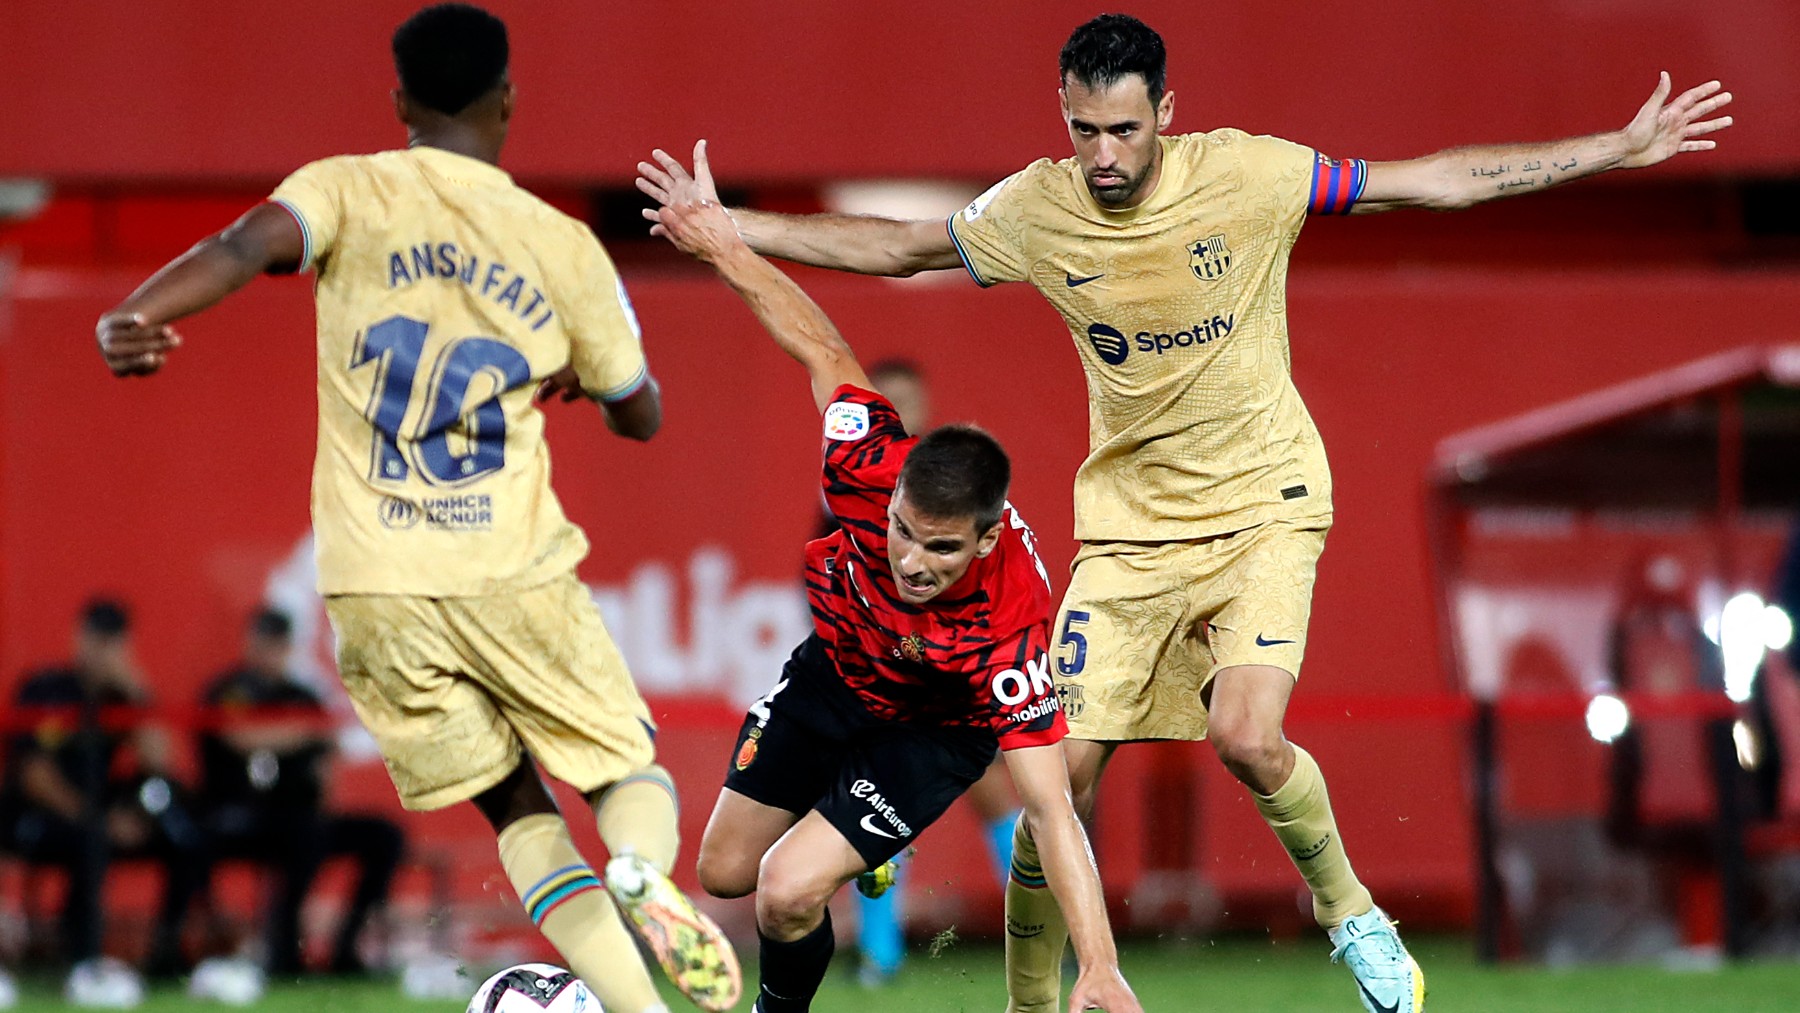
810, 744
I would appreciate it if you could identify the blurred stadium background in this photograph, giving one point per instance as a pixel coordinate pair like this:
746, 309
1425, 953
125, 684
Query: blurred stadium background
1565, 432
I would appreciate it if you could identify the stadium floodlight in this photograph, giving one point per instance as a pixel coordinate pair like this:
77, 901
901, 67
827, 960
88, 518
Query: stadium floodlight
1607, 718
1744, 634
1778, 628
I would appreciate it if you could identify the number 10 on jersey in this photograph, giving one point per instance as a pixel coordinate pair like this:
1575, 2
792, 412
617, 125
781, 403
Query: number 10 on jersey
395, 346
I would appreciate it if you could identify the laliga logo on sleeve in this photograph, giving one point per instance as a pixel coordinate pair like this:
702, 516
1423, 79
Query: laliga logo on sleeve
846, 421
979, 204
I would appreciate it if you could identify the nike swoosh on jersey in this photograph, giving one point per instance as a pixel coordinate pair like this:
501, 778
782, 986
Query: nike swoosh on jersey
1260, 642
1393, 1007
873, 829
1075, 282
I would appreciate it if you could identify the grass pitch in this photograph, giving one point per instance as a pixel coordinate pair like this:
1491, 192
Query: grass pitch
1230, 976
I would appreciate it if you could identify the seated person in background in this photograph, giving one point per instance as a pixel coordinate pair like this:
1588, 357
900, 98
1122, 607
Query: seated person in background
263, 761
64, 802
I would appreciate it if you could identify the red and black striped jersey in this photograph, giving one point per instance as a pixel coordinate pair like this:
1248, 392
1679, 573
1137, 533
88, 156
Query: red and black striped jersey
977, 655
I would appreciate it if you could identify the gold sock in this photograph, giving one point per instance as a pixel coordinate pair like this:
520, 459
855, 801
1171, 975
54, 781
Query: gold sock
566, 901
1300, 814
1035, 932
638, 814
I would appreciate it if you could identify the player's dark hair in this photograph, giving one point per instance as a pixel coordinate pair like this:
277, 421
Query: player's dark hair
1111, 46
273, 623
958, 471
449, 55
106, 617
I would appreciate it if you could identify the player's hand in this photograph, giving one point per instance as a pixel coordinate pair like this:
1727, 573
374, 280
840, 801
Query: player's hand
1103, 988
658, 178
1660, 131
691, 216
132, 347
562, 384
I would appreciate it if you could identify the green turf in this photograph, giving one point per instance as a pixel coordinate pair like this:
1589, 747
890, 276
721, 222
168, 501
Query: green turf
1232, 976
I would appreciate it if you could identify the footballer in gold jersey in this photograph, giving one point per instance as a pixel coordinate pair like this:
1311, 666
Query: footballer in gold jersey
1205, 498
446, 297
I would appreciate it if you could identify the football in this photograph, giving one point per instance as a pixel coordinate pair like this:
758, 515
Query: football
534, 988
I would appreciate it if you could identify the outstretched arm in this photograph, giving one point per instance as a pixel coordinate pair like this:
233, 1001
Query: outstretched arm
864, 244
1460, 177
135, 337
699, 226
1042, 779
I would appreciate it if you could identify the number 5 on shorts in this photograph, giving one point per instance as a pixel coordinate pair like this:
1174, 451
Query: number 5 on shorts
1077, 659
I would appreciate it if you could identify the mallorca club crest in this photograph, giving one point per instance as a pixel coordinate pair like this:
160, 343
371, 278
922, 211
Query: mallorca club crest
1210, 258
747, 752
912, 647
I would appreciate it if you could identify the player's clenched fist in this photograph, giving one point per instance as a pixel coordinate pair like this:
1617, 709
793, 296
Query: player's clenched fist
132, 347
1103, 989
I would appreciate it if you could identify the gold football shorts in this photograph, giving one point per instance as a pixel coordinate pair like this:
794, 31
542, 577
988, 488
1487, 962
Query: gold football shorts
1146, 625
455, 690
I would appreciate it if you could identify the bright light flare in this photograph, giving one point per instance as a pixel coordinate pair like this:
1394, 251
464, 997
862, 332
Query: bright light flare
1607, 718
1744, 634
1778, 628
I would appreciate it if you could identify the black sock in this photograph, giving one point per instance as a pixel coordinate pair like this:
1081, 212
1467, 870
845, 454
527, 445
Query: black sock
792, 972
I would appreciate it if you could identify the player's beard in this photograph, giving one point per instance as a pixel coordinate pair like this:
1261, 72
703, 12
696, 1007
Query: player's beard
1118, 195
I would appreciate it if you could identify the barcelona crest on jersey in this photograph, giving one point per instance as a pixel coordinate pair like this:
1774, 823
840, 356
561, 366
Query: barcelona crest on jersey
1210, 258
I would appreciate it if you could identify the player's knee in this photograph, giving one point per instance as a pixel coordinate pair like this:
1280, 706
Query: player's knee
1247, 748
724, 874
787, 907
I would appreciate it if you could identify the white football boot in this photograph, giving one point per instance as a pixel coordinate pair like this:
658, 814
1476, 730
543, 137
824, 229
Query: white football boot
1387, 978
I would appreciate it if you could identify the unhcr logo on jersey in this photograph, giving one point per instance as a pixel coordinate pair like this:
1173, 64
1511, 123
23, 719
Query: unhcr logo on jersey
1109, 344
398, 514
465, 512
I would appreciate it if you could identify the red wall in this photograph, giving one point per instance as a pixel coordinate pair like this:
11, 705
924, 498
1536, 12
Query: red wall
182, 492
813, 89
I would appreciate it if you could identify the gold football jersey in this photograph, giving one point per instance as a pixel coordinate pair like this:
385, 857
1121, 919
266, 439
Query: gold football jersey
1178, 310
445, 293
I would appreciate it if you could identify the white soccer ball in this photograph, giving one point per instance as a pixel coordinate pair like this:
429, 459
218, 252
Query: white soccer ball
534, 988
228, 980
105, 982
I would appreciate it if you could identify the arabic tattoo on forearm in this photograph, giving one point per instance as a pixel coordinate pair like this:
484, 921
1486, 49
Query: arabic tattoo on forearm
1530, 174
